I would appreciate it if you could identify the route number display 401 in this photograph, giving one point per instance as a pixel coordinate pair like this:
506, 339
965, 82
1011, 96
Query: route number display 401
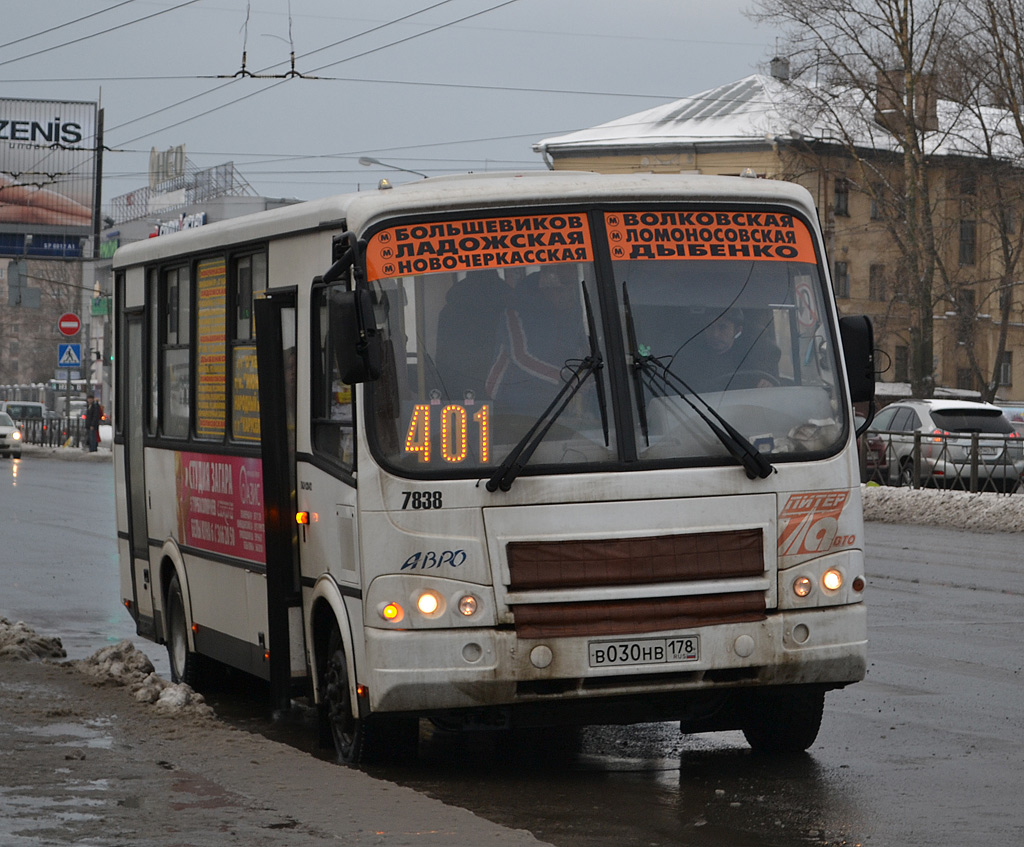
456, 432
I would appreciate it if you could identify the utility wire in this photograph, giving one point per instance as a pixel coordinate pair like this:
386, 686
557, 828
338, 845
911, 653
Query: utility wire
102, 32
61, 26
315, 70
263, 70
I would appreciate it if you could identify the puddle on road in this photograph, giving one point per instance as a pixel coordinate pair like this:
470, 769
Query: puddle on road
93, 734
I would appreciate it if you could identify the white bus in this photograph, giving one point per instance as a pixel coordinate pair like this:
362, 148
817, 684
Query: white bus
476, 449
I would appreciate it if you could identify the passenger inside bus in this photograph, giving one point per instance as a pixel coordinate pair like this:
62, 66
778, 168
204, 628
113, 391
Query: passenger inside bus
543, 330
468, 328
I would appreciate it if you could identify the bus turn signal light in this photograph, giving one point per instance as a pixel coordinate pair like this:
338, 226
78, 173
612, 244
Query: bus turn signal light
392, 613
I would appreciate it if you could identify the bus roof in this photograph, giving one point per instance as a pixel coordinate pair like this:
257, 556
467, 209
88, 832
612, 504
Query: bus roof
464, 191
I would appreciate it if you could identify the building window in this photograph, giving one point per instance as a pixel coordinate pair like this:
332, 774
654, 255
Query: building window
842, 204
964, 314
965, 379
877, 289
1006, 368
841, 279
968, 241
901, 363
1010, 221
877, 190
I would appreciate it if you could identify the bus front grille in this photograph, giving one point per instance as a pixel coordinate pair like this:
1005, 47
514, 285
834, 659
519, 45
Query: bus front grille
539, 567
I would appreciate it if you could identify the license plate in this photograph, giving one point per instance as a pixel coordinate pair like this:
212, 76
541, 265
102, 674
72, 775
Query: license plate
644, 651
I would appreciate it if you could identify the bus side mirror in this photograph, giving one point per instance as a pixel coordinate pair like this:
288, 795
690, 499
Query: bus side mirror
357, 344
859, 352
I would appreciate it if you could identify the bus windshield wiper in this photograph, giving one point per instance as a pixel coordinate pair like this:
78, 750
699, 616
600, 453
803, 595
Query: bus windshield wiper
634, 351
660, 378
508, 470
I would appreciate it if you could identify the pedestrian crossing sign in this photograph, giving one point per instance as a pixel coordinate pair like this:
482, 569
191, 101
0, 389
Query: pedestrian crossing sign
69, 355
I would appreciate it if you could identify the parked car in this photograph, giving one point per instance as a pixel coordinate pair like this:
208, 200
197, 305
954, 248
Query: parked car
10, 437
23, 410
874, 459
947, 429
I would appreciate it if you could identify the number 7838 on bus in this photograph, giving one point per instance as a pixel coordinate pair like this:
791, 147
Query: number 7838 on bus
458, 425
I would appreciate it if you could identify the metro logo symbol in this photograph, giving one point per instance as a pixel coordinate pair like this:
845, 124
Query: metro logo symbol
809, 522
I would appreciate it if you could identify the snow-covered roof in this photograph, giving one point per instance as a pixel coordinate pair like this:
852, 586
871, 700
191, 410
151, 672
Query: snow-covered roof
764, 109
741, 110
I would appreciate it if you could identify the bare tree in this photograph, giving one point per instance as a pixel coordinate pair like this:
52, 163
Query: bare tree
987, 63
865, 76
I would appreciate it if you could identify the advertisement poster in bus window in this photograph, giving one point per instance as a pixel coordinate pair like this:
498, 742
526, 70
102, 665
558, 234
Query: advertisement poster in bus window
245, 391
220, 504
211, 357
709, 234
467, 245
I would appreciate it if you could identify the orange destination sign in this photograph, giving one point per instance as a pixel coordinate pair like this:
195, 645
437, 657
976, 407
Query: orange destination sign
478, 243
711, 234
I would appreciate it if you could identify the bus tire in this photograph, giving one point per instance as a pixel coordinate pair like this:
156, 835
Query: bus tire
783, 720
185, 664
359, 741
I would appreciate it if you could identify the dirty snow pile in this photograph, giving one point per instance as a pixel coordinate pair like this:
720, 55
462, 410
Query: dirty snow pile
124, 664
19, 643
118, 664
983, 512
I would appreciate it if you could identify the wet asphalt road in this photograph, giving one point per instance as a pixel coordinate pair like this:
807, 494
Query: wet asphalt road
927, 751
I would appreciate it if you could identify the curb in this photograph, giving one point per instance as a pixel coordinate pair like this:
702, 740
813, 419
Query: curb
69, 454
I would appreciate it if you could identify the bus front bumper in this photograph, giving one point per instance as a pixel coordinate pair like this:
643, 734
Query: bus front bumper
434, 671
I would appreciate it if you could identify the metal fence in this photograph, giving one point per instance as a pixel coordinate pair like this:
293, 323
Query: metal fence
54, 432
950, 461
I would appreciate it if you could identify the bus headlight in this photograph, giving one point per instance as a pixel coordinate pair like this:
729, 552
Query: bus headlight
430, 604
407, 601
832, 579
802, 586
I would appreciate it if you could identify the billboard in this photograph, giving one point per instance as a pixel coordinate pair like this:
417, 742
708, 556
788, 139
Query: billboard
47, 165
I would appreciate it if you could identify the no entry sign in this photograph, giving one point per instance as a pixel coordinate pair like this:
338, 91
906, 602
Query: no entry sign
69, 324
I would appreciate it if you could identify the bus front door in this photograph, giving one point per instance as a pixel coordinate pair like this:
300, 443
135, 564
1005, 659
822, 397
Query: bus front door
276, 349
131, 412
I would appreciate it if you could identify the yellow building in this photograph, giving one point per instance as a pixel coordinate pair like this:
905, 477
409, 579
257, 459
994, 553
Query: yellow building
749, 127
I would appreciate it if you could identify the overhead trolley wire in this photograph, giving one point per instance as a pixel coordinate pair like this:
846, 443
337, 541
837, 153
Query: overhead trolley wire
93, 35
314, 70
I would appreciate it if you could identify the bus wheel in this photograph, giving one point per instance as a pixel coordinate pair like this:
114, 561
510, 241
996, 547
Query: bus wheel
368, 740
783, 720
336, 715
184, 663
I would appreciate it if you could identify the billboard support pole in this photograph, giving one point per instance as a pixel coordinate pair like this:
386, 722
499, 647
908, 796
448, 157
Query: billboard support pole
97, 187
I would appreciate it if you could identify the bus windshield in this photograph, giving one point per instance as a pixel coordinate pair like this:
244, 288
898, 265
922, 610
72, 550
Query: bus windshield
473, 360
720, 352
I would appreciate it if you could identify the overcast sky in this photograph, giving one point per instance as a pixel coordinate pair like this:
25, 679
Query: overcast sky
436, 87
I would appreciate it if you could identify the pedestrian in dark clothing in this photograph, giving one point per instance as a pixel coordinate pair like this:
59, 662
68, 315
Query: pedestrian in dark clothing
93, 416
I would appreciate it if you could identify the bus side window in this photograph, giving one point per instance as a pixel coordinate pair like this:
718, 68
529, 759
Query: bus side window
333, 419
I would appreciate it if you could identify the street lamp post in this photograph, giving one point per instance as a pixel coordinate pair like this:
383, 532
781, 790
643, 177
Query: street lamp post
368, 161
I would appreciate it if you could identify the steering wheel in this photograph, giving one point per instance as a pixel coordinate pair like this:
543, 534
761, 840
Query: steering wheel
752, 379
